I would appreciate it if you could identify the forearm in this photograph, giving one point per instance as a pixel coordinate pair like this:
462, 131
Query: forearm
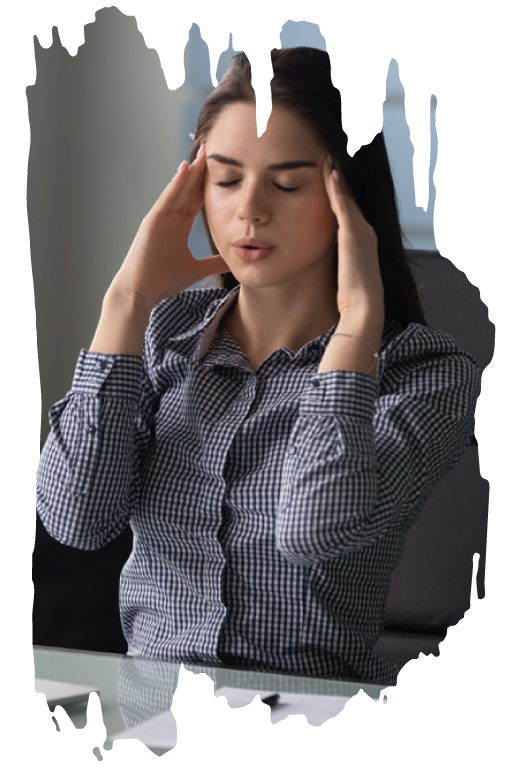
329, 484
122, 324
346, 353
88, 471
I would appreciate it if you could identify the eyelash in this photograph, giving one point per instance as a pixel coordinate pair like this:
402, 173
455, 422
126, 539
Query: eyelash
281, 188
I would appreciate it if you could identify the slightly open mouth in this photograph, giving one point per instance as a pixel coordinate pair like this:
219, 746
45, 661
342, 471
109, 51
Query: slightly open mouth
253, 252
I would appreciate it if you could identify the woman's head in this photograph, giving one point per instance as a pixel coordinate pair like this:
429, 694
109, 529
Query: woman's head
302, 88
266, 202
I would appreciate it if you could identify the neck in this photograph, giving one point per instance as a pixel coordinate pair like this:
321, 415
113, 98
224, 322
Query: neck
261, 324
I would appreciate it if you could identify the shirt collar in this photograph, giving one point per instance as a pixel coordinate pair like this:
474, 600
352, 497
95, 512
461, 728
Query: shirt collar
221, 306
207, 329
212, 320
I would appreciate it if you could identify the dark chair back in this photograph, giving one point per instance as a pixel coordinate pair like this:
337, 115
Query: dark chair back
431, 586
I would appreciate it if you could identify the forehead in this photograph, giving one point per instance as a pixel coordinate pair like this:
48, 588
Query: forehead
235, 129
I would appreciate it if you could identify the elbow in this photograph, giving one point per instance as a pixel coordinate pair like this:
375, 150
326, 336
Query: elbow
297, 555
69, 536
296, 549
311, 546
313, 533
72, 528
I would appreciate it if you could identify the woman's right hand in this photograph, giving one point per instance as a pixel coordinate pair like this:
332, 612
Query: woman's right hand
159, 263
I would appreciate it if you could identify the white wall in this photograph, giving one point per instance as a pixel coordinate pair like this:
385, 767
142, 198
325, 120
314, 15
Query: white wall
106, 137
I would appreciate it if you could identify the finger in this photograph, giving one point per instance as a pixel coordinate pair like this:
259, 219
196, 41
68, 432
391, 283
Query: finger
170, 195
329, 174
339, 179
339, 203
184, 191
197, 170
201, 154
190, 194
196, 162
199, 162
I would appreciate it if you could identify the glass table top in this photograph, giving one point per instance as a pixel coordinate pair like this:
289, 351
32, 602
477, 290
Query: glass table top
136, 695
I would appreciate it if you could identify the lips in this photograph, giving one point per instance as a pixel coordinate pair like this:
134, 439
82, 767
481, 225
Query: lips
252, 242
253, 254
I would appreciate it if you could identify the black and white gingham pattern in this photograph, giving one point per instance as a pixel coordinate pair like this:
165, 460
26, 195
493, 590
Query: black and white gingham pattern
268, 509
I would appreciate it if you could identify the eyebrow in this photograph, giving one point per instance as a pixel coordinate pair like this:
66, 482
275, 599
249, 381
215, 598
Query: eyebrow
288, 166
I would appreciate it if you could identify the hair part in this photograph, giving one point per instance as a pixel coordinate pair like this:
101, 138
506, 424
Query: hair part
302, 83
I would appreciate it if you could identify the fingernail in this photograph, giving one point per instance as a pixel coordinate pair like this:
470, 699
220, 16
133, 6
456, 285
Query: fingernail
180, 166
200, 151
336, 176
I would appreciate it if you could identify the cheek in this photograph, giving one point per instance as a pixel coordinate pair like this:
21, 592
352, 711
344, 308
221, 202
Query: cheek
211, 217
209, 202
216, 209
317, 219
219, 216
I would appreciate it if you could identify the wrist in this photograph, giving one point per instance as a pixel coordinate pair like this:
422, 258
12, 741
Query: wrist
356, 339
364, 322
122, 324
127, 301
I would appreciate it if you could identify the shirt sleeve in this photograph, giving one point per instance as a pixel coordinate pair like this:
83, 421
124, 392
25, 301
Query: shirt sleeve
359, 465
88, 479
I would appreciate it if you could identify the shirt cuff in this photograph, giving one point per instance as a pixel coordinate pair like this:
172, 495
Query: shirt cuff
340, 393
108, 375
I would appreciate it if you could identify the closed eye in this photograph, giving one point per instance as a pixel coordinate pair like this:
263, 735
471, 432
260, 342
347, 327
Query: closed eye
232, 183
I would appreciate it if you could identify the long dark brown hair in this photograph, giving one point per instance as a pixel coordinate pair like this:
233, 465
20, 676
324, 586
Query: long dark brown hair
302, 83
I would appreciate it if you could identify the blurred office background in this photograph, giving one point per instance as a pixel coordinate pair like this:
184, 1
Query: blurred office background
106, 137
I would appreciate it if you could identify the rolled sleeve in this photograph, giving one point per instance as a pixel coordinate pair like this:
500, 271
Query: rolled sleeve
86, 475
330, 473
108, 375
359, 465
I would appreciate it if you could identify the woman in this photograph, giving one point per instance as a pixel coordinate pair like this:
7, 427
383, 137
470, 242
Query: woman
270, 441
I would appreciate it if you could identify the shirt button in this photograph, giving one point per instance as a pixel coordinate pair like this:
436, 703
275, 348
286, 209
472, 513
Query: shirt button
291, 450
101, 364
315, 383
91, 429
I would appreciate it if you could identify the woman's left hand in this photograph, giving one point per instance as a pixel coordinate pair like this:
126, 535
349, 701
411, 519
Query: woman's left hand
360, 289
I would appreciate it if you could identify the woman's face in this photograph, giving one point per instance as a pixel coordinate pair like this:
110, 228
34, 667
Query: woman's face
269, 193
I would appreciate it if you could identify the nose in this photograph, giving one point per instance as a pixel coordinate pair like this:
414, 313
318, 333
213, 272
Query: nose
253, 203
